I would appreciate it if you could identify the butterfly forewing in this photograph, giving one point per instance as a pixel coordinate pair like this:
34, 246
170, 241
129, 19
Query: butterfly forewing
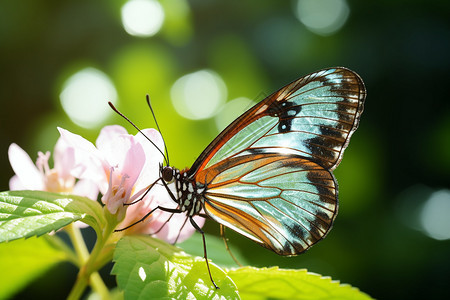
283, 202
312, 117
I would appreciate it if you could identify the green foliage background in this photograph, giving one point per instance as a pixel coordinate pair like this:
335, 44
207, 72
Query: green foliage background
400, 49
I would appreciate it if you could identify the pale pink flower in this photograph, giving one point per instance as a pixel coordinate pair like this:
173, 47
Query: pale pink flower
29, 176
123, 167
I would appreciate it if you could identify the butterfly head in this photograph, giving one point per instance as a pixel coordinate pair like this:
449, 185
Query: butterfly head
167, 173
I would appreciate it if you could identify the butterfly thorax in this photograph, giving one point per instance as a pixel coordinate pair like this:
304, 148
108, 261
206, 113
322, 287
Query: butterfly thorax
189, 193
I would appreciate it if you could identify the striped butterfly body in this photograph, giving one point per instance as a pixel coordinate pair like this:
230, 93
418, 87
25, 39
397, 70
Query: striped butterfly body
268, 175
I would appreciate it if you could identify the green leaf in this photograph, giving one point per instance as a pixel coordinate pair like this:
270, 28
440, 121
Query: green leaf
275, 283
149, 268
33, 213
23, 261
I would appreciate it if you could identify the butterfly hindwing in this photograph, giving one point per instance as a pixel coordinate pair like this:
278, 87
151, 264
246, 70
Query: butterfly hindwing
283, 202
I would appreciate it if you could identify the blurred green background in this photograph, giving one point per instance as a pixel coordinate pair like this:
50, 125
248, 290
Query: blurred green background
203, 62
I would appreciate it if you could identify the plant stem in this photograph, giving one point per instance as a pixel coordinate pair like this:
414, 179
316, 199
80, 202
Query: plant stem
88, 272
78, 288
99, 286
78, 243
86, 275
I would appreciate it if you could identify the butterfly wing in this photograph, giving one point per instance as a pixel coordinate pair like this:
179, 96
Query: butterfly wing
285, 203
313, 117
268, 174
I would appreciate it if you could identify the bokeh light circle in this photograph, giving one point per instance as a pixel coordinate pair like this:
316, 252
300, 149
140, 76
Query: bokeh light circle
142, 18
85, 95
198, 95
435, 215
323, 17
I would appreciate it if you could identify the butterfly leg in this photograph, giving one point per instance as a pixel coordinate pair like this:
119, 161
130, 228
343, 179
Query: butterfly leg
169, 191
179, 232
225, 240
145, 194
170, 210
162, 226
204, 249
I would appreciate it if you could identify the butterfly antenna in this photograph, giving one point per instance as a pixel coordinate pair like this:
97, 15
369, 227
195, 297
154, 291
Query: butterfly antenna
137, 128
157, 126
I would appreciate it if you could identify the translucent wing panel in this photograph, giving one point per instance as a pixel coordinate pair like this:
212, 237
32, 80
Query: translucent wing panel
313, 117
285, 203
247, 136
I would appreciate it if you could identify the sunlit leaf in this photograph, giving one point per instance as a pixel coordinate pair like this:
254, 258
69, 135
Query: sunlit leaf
23, 261
148, 268
33, 213
275, 283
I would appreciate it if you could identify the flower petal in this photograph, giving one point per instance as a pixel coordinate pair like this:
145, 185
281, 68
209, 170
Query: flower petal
178, 229
138, 210
113, 143
133, 161
108, 133
155, 137
64, 158
89, 163
26, 171
86, 188
154, 158
73, 139
15, 184
123, 152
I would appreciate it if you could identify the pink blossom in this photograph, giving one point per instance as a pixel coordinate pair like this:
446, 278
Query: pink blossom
123, 167
41, 177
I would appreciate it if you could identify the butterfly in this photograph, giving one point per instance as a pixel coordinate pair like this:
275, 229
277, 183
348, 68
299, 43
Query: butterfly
268, 175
